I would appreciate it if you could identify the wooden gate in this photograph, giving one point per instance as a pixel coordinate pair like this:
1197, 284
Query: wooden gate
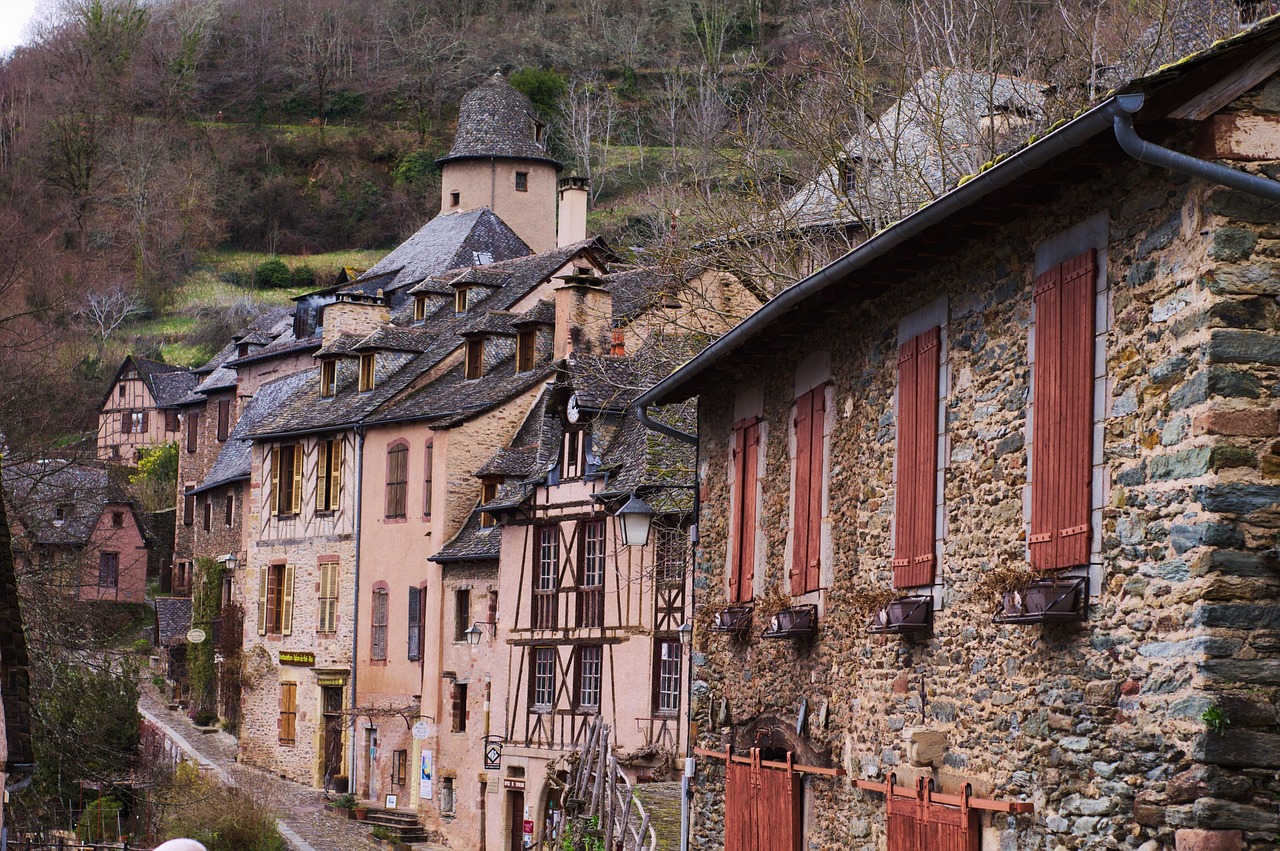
921, 824
762, 806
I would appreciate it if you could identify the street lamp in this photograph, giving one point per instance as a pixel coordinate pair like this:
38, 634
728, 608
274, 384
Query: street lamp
473, 634
686, 633
634, 520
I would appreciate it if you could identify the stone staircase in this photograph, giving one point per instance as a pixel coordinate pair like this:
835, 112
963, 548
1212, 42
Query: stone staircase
400, 822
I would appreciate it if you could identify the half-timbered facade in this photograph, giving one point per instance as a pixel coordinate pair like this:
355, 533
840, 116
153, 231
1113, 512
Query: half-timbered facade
133, 416
986, 527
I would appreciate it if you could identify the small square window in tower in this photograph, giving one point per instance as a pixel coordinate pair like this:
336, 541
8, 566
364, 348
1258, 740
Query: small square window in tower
455, 198
522, 181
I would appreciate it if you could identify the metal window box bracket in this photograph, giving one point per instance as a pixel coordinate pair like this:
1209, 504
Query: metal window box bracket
733, 620
910, 615
1048, 600
794, 622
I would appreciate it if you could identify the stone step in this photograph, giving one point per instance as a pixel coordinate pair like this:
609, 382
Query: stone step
392, 817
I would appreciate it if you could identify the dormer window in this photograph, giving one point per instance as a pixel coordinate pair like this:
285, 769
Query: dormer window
850, 178
63, 511
460, 300
526, 349
488, 493
539, 132
243, 350
571, 454
328, 377
474, 367
419, 308
366, 372
522, 181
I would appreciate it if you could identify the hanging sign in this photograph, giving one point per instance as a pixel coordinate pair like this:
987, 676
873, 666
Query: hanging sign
492, 753
513, 783
196, 635
425, 775
422, 730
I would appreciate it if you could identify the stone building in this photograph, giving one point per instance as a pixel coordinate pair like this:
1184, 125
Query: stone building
989, 505
131, 416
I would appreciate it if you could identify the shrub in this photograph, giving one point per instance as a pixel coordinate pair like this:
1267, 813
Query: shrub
273, 274
543, 87
345, 801
100, 820
303, 276
221, 818
414, 166
205, 718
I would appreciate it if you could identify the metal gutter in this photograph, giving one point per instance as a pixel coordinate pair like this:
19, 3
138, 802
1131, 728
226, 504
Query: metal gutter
1152, 154
1032, 157
642, 411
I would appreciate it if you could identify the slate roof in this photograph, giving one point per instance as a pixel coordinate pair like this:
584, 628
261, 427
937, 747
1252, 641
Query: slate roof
390, 338
36, 490
234, 459
15, 670
173, 620
542, 313
489, 322
449, 241
472, 543
452, 399
635, 290
285, 345
495, 120
166, 382
908, 156
344, 345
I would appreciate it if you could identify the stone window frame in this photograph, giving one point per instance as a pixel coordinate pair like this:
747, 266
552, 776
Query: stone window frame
813, 371
936, 313
748, 405
1091, 234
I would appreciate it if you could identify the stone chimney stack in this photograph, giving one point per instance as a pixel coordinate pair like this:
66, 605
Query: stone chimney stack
354, 314
584, 317
572, 224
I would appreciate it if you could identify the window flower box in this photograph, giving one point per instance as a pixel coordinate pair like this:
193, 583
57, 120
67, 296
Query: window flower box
1049, 600
794, 622
904, 616
733, 620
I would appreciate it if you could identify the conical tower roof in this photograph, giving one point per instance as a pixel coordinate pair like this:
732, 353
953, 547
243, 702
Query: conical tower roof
495, 120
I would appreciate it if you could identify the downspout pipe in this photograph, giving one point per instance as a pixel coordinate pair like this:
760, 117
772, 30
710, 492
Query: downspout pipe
1152, 154
355, 613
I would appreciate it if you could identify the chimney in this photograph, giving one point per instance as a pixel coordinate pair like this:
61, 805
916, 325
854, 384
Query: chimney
572, 225
354, 313
584, 317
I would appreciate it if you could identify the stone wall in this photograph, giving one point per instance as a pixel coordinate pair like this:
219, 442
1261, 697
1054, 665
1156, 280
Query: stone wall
1102, 726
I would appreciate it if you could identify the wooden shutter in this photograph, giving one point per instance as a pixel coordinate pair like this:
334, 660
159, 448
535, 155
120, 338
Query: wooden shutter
915, 505
1062, 430
323, 461
146, 421
263, 578
296, 505
415, 614
806, 548
126, 422
286, 603
224, 418
335, 473
275, 480
746, 456
193, 431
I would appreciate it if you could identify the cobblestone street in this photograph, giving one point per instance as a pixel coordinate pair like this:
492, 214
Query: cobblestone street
300, 809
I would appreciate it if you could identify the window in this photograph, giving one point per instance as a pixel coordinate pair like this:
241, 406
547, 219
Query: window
327, 613
400, 767
427, 463
133, 422
670, 555
850, 178
329, 474
224, 419
193, 430
108, 570
526, 349
63, 511
419, 308
208, 513
448, 797
367, 362
742, 525
571, 449
666, 676
460, 300
288, 713
522, 181
229, 510
589, 667
328, 377
1062, 415
915, 509
121, 389
459, 714
415, 623
188, 505
455, 198
542, 682
462, 613
806, 528
488, 493
591, 574
475, 359
378, 636
117, 519
546, 578
275, 600
286, 479
171, 420
539, 131
397, 479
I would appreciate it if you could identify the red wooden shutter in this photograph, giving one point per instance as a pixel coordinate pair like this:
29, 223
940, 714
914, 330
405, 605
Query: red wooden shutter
1063, 426
746, 449
800, 496
915, 505
817, 422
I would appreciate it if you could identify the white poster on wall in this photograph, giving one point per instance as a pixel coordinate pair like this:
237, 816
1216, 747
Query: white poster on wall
424, 778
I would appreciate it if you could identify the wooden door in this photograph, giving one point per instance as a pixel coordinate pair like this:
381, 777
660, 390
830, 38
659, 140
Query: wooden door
763, 807
332, 748
515, 808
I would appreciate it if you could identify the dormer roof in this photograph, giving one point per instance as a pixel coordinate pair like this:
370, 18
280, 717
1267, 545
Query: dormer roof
494, 121
542, 313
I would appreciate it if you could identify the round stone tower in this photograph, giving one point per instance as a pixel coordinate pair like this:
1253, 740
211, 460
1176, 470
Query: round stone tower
499, 160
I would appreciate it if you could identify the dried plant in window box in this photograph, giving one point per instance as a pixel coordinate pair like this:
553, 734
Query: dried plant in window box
904, 616
1063, 599
1002, 579
794, 622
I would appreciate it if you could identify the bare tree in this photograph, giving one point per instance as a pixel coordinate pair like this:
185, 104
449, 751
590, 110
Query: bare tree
103, 312
587, 115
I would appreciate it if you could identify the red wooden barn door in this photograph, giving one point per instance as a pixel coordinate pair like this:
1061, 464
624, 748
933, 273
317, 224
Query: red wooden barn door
762, 807
917, 823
